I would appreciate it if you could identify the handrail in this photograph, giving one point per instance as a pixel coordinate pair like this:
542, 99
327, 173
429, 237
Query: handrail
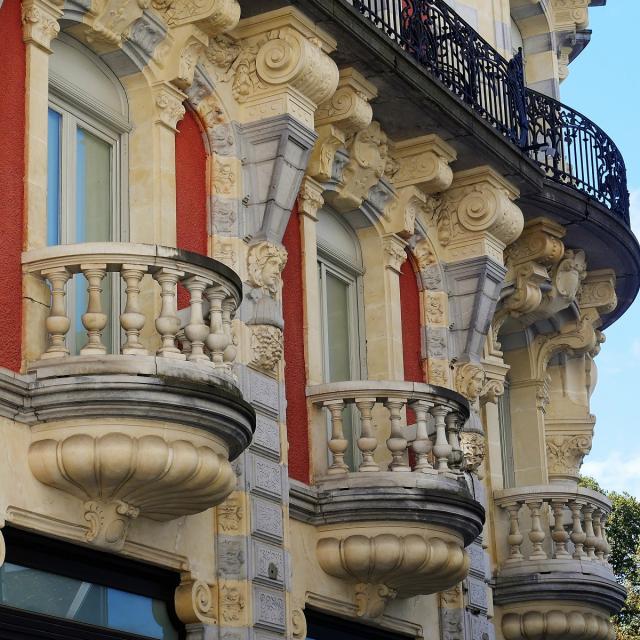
570, 148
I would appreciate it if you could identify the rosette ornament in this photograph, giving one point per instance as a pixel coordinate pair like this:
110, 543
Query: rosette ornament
120, 477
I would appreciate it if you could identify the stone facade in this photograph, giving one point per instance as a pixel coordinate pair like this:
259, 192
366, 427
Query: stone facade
173, 442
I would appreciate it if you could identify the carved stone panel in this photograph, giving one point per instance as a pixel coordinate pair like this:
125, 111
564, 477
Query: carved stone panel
267, 519
268, 563
269, 608
265, 477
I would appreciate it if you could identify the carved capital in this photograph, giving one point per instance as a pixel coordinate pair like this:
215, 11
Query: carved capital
281, 66
267, 346
565, 454
394, 252
477, 215
310, 198
265, 262
424, 163
170, 109
197, 602
40, 22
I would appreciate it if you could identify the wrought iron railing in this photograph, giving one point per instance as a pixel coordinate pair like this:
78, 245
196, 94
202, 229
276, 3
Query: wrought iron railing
569, 147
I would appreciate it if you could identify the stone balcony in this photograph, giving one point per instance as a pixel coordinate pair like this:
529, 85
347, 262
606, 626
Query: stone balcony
140, 419
554, 580
396, 520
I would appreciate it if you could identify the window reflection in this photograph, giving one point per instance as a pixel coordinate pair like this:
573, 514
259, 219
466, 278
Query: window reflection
71, 599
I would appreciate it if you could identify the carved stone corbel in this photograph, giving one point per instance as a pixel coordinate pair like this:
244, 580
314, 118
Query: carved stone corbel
371, 599
310, 199
282, 66
368, 152
298, 624
170, 109
424, 163
477, 216
212, 16
394, 252
342, 115
401, 212
196, 602
565, 454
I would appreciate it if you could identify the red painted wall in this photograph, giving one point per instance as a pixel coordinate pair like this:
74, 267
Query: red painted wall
295, 373
191, 192
411, 311
191, 186
12, 171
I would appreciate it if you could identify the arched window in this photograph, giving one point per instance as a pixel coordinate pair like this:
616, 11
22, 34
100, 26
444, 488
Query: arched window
87, 164
340, 271
342, 317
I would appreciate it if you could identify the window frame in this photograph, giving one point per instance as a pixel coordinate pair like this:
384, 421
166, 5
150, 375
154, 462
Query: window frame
81, 563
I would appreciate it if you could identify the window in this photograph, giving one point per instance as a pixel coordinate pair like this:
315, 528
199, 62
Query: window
52, 589
86, 179
323, 627
340, 272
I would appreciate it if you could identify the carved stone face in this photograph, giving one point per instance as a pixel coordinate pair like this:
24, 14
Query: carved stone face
266, 262
271, 272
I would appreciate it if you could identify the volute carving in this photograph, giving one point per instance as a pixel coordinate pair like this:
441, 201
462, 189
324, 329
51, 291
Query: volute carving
371, 599
477, 215
196, 602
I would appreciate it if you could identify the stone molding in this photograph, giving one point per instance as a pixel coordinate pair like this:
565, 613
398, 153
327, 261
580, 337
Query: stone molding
557, 624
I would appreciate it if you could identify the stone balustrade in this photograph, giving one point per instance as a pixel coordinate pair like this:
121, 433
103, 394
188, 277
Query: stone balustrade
146, 273
556, 524
434, 440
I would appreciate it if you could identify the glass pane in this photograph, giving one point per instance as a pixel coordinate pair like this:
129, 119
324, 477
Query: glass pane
53, 178
338, 338
94, 221
62, 597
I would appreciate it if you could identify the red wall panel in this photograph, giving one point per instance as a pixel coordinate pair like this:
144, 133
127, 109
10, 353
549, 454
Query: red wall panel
411, 325
295, 374
12, 171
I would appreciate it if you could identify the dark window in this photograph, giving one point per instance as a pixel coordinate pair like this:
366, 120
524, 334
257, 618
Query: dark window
53, 590
323, 627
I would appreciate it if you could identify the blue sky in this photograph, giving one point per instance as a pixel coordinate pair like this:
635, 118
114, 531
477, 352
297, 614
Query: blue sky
604, 84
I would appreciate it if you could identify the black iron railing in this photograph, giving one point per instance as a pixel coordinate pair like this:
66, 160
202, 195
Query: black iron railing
570, 148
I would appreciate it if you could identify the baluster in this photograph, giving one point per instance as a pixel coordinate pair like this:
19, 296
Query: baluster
338, 443
601, 545
397, 443
442, 448
168, 323
57, 323
94, 320
590, 540
196, 331
422, 445
367, 442
559, 535
537, 534
453, 432
607, 547
515, 537
216, 340
132, 320
577, 534
231, 350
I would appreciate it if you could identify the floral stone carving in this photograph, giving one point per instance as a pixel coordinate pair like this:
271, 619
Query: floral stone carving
267, 346
565, 455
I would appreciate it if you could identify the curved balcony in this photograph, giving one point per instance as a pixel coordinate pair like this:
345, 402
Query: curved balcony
405, 481
140, 419
554, 577
570, 149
